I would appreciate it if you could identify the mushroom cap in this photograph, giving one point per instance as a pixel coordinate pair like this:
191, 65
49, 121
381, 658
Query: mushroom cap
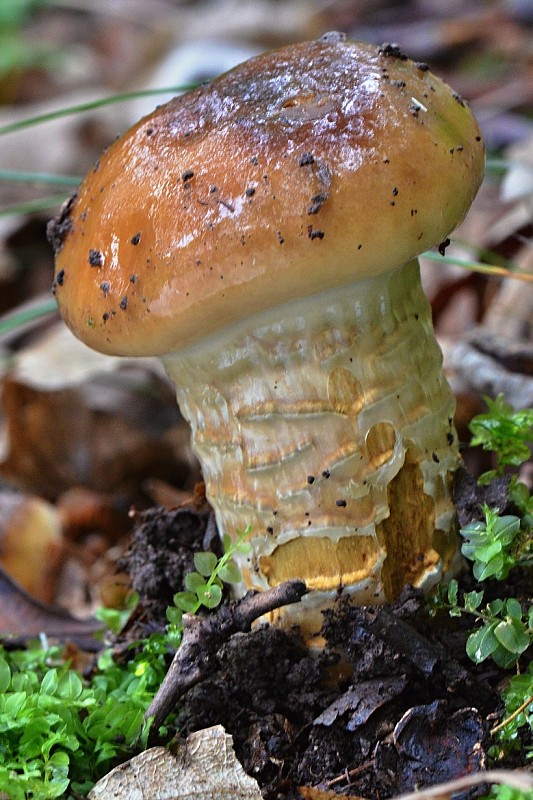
298, 171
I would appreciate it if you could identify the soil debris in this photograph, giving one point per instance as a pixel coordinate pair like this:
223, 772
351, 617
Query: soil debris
362, 716
470, 497
162, 553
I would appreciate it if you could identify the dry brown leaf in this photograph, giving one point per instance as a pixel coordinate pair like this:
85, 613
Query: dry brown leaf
31, 543
74, 417
204, 767
21, 616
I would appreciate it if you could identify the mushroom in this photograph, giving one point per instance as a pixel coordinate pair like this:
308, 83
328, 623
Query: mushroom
260, 235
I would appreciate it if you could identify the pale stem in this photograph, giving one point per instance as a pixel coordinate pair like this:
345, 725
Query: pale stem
327, 425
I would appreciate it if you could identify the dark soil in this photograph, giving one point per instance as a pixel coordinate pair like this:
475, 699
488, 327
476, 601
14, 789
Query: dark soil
391, 703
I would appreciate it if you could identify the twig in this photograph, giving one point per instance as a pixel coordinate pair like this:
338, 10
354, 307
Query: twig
202, 637
501, 725
348, 774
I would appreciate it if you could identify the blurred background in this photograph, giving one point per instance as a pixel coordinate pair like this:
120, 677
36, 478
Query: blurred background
85, 438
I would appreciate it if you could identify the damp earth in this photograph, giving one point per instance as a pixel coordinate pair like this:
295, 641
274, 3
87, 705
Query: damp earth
363, 715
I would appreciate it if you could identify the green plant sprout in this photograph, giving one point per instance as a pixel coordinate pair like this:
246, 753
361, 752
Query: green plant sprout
491, 545
59, 733
204, 586
505, 432
503, 792
508, 434
115, 619
496, 546
518, 711
506, 630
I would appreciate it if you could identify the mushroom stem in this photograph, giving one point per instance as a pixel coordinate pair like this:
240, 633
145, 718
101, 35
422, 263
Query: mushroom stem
326, 425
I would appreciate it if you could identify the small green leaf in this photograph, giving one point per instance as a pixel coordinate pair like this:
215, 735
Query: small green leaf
70, 686
453, 588
512, 635
205, 563
174, 615
174, 637
472, 600
24, 682
482, 643
209, 596
503, 658
15, 702
5, 674
495, 607
506, 528
230, 573
187, 601
58, 764
488, 551
513, 608
483, 570
473, 527
193, 580
50, 682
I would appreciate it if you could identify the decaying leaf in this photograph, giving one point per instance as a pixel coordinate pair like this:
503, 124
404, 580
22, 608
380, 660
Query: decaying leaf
21, 616
31, 543
361, 701
73, 418
409, 759
204, 767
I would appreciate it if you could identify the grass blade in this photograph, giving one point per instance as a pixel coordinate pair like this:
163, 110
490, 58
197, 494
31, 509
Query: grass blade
16, 319
15, 176
33, 206
89, 106
476, 266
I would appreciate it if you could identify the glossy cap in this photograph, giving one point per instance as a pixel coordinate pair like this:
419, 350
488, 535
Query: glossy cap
298, 171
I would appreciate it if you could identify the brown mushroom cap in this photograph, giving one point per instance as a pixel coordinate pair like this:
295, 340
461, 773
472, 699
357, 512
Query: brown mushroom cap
296, 172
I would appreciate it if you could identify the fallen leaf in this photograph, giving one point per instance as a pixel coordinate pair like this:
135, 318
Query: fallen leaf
204, 767
21, 616
409, 759
361, 701
31, 542
74, 417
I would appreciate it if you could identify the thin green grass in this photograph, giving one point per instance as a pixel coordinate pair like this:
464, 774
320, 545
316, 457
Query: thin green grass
33, 206
90, 105
476, 266
14, 176
15, 320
